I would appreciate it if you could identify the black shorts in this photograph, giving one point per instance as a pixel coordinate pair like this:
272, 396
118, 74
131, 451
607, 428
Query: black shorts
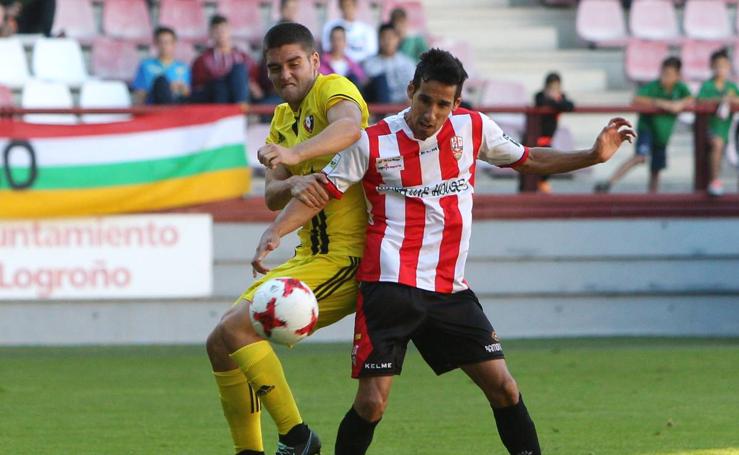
449, 330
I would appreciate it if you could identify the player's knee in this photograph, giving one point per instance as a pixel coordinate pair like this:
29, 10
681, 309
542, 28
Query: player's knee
370, 406
214, 343
506, 393
235, 324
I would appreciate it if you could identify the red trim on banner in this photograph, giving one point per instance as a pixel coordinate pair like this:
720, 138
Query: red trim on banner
175, 117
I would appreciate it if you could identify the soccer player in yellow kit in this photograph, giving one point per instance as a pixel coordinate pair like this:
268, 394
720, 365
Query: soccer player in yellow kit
322, 114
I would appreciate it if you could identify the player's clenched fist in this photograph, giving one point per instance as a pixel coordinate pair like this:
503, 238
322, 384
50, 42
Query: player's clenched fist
309, 189
270, 155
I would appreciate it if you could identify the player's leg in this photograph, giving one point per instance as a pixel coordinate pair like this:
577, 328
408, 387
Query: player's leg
657, 164
715, 186
643, 149
240, 405
358, 426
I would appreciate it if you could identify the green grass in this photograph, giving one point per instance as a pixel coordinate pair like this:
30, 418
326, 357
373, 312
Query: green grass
587, 396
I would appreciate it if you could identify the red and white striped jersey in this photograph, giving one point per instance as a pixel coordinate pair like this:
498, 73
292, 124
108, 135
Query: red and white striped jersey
419, 195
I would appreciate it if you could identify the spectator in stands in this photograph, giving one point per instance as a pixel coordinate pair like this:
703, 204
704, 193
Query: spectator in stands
389, 71
288, 11
337, 62
162, 79
8, 24
33, 16
551, 96
361, 38
223, 73
719, 88
411, 45
669, 94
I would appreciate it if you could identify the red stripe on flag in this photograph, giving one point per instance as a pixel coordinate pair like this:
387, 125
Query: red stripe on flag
161, 119
369, 268
452, 235
415, 211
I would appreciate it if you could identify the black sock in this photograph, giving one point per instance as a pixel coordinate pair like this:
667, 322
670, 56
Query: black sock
250, 452
517, 430
297, 435
355, 434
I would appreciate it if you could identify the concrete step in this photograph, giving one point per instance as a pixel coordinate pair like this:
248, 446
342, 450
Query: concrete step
528, 37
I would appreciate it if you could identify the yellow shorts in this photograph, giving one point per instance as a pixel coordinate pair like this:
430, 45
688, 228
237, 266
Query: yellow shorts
330, 277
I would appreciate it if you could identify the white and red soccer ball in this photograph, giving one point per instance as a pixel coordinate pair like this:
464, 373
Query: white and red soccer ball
284, 310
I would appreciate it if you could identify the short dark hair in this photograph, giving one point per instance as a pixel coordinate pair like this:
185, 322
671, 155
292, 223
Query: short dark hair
672, 62
719, 54
441, 66
397, 13
552, 77
288, 33
283, 3
385, 27
217, 20
161, 30
337, 28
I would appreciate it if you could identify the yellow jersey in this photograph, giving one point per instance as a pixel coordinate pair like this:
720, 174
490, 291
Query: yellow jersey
340, 227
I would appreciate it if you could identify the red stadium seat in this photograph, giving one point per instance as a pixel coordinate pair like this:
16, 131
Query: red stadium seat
460, 49
507, 93
114, 59
6, 96
413, 8
185, 52
74, 19
696, 56
644, 58
654, 20
186, 17
245, 17
601, 22
707, 20
127, 19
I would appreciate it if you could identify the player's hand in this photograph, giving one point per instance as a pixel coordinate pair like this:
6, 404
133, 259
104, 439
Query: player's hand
269, 242
309, 189
610, 139
270, 155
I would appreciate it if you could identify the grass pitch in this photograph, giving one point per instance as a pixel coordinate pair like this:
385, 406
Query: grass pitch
587, 396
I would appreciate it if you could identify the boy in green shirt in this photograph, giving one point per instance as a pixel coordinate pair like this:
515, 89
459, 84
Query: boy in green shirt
669, 94
718, 88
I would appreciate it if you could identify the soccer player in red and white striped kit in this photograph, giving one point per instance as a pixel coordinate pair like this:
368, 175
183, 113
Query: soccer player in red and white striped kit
417, 169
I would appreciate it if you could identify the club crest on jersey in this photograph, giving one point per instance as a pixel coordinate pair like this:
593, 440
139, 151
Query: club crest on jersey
457, 144
308, 123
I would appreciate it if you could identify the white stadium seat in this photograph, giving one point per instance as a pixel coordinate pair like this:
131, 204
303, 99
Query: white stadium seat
104, 94
43, 94
59, 60
14, 68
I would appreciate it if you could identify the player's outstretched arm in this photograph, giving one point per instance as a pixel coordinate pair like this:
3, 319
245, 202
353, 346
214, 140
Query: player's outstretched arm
550, 161
344, 129
294, 215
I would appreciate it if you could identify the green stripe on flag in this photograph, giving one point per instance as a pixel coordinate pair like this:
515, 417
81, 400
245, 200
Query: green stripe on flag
130, 173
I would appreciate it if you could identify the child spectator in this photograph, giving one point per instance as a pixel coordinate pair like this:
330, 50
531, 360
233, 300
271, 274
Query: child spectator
288, 11
223, 73
718, 88
389, 71
411, 45
337, 62
360, 37
669, 94
551, 96
162, 79
8, 24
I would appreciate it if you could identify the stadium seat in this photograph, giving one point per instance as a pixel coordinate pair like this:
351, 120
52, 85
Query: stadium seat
507, 93
644, 58
706, 20
6, 96
104, 94
75, 19
365, 11
473, 91
601, 22
186, 17
14, 69
185, 52
696, 57
42, 94
460, 49
654, 20
114, 59
414, 9
127, 19
245, 17
59, 60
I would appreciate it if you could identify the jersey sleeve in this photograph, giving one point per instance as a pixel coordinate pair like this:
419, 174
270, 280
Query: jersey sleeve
337, 89
498, 148
273, 137
347, 167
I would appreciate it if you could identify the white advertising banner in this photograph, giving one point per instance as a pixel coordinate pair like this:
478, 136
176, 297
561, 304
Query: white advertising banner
115, 257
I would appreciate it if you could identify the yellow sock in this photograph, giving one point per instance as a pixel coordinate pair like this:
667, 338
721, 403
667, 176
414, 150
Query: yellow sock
242, 410
264, 372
